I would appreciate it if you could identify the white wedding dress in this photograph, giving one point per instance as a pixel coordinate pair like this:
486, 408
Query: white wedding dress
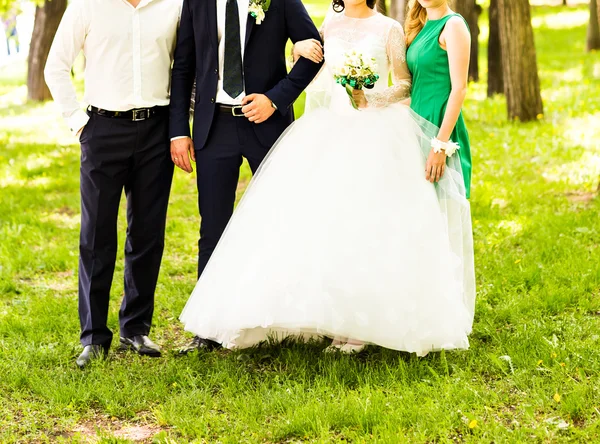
339, 234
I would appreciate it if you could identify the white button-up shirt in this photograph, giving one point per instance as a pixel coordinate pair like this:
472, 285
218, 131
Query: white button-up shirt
222, 96
128, 51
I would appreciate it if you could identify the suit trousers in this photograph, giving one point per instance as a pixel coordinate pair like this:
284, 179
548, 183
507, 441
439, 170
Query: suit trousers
218, 169
134, 156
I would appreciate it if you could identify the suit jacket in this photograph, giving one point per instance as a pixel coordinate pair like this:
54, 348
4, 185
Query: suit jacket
264, 65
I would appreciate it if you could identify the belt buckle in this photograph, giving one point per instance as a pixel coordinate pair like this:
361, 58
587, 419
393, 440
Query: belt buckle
140, 114
237, 108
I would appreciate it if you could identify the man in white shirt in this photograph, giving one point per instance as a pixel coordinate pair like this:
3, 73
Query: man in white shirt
129, 47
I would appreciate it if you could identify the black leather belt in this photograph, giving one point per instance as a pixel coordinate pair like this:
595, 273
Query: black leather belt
234, 110
135, 115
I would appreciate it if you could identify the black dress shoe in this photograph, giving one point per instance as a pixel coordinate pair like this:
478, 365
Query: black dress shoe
200, 344
89, 353
142, 345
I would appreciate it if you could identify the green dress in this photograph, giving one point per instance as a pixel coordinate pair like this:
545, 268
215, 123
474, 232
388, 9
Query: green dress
431, 87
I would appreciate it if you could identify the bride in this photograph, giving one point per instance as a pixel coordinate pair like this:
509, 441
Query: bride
340, 234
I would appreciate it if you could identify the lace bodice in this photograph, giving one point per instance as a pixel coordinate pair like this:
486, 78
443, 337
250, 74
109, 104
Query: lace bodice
377, 36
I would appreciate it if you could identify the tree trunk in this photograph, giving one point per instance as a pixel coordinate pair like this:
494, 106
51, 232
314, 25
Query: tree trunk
382, 7
471, 11
398, 10
519, 61
495, 74
593, 32
47, 19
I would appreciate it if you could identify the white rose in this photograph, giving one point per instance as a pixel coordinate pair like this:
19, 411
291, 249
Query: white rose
257, 12
260, 16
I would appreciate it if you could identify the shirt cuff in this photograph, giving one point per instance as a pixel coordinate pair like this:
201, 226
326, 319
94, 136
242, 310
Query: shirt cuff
78, 120
179, 137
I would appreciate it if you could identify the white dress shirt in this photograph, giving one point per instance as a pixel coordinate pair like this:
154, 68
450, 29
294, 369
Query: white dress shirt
128, 51
222, 96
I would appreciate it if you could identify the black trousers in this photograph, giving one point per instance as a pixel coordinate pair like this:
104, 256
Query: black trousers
218, 170
117, 155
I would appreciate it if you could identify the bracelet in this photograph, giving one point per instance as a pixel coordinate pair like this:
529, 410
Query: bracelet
448, 147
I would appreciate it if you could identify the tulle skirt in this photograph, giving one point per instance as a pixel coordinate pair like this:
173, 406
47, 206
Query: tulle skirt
340, 235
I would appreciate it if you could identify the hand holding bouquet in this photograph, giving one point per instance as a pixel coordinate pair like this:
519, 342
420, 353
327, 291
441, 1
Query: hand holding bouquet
356, 72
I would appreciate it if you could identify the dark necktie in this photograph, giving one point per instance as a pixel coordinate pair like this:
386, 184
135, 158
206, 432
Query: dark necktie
233, 77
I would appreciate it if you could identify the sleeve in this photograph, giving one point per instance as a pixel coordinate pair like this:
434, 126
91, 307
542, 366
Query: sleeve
401, 77
183, 76
68, 43
299, 26
321, 34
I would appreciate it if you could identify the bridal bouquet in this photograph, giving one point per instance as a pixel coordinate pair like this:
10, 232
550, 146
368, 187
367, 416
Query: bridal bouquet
356, 72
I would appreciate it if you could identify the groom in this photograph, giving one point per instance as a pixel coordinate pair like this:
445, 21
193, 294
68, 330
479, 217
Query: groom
235, 49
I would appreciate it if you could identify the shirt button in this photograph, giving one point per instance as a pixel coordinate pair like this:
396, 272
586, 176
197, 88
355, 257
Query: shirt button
212, 100
216, 71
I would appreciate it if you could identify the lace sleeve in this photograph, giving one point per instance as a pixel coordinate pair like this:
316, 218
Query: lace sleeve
401, 78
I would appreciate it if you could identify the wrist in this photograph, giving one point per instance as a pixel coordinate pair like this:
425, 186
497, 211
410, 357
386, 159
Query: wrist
273, 105
448, 147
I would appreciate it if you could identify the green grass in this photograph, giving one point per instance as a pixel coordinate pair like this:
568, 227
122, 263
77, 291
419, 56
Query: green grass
531, 374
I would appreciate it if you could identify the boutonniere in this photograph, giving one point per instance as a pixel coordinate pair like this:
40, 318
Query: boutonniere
258, 9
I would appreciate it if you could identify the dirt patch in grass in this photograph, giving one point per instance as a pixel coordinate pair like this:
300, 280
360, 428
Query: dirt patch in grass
93, 431
584, 198
67, 211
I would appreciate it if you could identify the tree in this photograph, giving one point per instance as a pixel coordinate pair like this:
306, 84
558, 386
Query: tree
519, 60
593, 32
47, 19
495, 74
398, 10
598, 11
471, 11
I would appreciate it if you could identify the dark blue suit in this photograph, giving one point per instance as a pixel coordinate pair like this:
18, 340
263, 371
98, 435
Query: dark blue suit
221, 141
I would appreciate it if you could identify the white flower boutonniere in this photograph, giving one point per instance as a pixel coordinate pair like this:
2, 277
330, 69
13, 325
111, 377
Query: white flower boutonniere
258, 9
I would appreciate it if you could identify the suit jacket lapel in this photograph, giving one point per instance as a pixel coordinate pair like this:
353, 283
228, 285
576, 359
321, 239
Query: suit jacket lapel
212, 23
249, 28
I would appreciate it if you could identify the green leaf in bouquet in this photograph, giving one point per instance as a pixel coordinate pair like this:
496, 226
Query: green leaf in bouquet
350, 90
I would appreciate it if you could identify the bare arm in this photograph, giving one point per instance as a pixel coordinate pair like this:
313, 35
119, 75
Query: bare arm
457, 41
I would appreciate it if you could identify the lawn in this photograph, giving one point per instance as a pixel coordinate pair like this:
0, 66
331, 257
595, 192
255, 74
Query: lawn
531, 375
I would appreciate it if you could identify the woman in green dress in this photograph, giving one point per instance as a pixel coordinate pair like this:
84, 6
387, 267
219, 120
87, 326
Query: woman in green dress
438, 55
